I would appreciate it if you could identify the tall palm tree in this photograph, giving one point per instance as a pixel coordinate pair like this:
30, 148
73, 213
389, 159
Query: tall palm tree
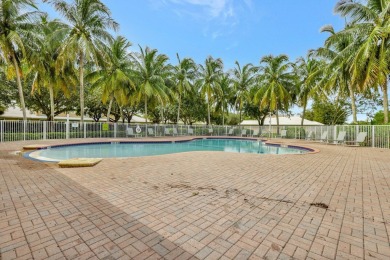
371, 62
309, 73
276, 79
89, 24
338, 49
224, 95
43, 63
243, 80
115, 76
17, 31
208, 80
150, 73
184, 73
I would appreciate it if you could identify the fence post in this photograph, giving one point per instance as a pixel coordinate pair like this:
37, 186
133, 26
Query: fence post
44, 130
373, 136
115, 128
1, 131
85, 130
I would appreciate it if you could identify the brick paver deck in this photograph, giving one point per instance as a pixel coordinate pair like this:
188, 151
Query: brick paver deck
201, 205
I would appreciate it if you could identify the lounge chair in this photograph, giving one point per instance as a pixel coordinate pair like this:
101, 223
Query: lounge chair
211, 131
231, 132
360, 138
130, 132
255, 133
340, 138
174, 131
323, 138
167, 131
190, 131
308, 137
283, 133
151, 132
243, 132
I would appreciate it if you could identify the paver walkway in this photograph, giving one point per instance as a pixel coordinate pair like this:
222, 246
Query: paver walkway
201, 205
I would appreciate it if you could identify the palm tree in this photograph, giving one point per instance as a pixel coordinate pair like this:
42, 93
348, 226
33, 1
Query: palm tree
208, 81
150, 74
309, 72
89, 22
17, 31
44, 59
337, 51
371, 62
224, 95
276, 79
114, 77
184, 73
243, 80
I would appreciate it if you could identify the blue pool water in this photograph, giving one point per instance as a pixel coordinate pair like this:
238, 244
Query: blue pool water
111, 150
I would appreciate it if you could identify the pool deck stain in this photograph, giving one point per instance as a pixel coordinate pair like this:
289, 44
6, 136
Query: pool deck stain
198, 205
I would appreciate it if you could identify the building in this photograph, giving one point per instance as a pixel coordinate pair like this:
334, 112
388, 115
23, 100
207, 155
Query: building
283, 121
15, 113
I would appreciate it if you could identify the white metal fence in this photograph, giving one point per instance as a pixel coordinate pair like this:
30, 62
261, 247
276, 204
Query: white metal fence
377, 136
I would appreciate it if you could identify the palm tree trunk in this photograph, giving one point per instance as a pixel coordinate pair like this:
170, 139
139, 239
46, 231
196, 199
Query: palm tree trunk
81, 71
223, 115
304, 111
385, 103
353, 104
109, 109
146, 109
20, 88
51, 93
178, 110
240, 113
277, 122
208, 110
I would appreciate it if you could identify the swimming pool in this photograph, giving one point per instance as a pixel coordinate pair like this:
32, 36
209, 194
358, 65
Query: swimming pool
138, 149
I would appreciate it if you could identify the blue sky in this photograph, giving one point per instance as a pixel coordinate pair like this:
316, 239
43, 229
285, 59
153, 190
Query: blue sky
234, 30
242, 30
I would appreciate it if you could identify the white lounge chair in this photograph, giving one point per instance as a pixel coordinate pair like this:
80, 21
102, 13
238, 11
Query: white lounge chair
231, 131
323, 138
308, 137
174, 131
256, 133
211, 131
167, 131
130, 132
243, 132
283, 133
360, 138
151, 132
190, 131
340, 138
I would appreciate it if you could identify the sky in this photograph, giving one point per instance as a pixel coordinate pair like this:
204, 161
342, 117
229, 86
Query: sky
234, 30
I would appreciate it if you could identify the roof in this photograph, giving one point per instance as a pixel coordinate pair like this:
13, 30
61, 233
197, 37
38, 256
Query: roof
284, 121
16, 114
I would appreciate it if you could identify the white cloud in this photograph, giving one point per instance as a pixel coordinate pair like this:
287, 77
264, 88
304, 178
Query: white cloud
220, 15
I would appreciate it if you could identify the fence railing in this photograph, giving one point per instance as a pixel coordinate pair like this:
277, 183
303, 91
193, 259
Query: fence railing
377, 135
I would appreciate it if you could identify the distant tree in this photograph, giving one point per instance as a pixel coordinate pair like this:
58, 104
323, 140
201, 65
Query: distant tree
17, 33
329, 112
89, 24
150, 72
276, 80
243, 80
379, 118
184, 74
208, 81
